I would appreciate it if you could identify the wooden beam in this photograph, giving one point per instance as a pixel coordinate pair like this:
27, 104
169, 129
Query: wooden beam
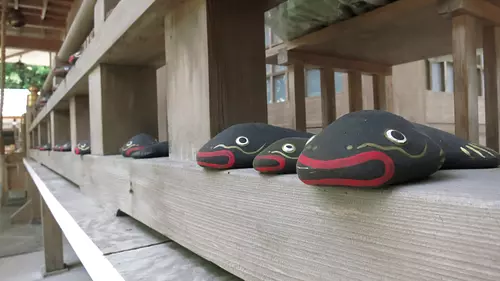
45, 4
297, 96
285, 57
478, 8
52, 241
328, 96
355, 91
465, 77
491, 42
33, 43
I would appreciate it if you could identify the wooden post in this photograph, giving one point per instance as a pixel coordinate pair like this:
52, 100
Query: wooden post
491, 41
328, 97
379, 92
465, 77
52, 242
40, 132
101, 9
161, 88
355, 91
79, 119
216, 77
122, 103
49, 132
297, 96
59, 127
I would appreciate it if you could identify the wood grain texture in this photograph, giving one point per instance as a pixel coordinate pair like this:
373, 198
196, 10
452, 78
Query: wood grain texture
379, 92
52, 241
328, 97
465, 78
59, 127
67, 164
297, 96
167, 262
491, 41
161, 98
79, 119
355, 91
276, 228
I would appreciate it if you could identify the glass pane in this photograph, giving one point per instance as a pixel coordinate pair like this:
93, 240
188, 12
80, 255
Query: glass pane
268, 68
313, 83
278, 68
436, 77
268, 84
339, 82
449, 77
276, 39
267, 34
280, 88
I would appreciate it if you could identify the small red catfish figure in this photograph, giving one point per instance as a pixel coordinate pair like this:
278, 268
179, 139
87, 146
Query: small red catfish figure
280, 157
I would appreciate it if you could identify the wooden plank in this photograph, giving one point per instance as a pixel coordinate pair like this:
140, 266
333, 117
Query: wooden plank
161, 90
355, 91
96, 265
328, 97
341, 64
379, 92
465, 77
491, 37
480, 9
166, 262
52, 241
262, 228
28, 43
218, 92
34, 196
64, 163
297, 96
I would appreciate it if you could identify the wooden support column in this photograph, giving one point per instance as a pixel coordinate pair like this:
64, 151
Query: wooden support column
49, 131
355, 91
79, 119
379, 92
161, 88
216, 76
52, 241
491, 42
122, 103
43, 133
466, 80
297, 96
328, 98
59, 127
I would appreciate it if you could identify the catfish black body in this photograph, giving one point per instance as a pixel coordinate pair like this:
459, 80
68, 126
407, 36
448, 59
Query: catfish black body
368, 148
82, 148
237, 146
46, 147
280, 157
65, 147
144, 146
461, 154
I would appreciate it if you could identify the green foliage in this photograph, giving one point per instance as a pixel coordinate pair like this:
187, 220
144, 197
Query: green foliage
22, 76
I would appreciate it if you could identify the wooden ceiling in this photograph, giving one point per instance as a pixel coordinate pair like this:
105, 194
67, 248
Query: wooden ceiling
45, 24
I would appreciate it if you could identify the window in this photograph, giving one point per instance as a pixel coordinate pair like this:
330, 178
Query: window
440, 74
313, 82
267, 36
280, 86
276, 83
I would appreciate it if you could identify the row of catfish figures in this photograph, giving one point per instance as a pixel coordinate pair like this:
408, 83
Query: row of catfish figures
367, 148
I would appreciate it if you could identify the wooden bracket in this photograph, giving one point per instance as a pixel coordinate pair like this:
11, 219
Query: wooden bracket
481, 9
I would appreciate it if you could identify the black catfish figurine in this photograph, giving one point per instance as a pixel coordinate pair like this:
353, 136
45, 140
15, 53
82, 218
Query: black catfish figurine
144, 146
82, 148
461, 154
369, 148
237, 146
280, 157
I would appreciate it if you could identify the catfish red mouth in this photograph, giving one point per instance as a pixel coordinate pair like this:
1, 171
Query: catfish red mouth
343, 163
269, 163
129, 151
220, 159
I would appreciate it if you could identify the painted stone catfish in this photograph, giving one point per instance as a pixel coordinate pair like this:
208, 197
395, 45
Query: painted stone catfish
46, 147
82, 148
280, 157
144, 146
368, 148
237, 146
65, 147
461, 154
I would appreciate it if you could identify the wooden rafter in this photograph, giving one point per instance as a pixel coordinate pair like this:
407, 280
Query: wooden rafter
44, 9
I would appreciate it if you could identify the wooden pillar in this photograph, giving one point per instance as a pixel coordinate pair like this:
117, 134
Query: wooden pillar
216, 76
328, 97
297, 96
491, 42
161, 88
466, 80
355, 91
79, 119
34, 196
379, 92
101, 10
59, 127
48, 131
52, 241
122, 103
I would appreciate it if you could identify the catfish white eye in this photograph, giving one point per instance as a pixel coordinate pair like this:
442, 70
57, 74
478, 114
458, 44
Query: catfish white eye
128, 143
395, 136
309, 140
242, 141
288, 148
